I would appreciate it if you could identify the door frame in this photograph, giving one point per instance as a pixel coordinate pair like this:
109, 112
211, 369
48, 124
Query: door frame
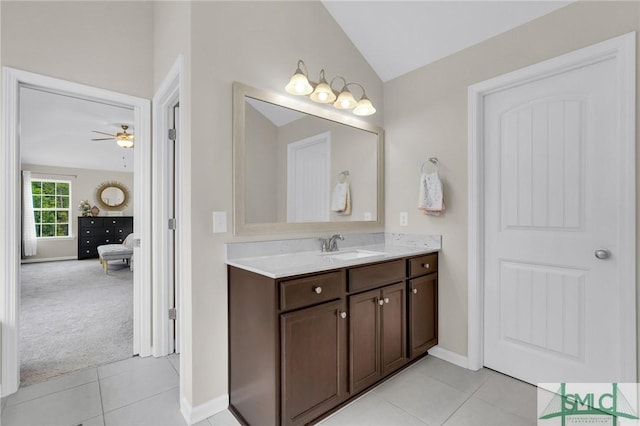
10, 196
623, 50
170, 92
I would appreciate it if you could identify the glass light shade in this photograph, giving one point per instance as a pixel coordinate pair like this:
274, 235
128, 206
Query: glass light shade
323, 93
365, 107
125, 142
345, 100
299, 84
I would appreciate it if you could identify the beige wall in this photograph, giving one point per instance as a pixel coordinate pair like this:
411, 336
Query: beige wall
426, 115
84, 183
95, 43
256, 43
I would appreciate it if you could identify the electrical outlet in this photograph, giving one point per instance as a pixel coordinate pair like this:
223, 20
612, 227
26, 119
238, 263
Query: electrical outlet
367, 215
404, 219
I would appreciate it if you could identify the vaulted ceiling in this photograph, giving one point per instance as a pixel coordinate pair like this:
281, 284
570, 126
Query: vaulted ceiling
397, 37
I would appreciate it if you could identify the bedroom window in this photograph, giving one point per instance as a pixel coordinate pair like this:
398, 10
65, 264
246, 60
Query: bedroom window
51, 207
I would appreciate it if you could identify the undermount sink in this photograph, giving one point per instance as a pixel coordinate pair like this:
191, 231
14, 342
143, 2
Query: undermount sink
353, 254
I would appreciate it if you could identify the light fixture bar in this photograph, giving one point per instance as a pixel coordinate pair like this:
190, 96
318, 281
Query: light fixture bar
323, 92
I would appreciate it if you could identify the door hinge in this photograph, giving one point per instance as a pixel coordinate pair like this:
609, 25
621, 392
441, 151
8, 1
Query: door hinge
136, 242
173, 313
172, 134
172, 224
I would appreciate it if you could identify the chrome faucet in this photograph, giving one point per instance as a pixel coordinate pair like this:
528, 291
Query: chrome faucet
331, 243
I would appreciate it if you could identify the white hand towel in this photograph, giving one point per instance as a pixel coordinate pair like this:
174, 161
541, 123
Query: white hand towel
347, 207
340, 197
431, 197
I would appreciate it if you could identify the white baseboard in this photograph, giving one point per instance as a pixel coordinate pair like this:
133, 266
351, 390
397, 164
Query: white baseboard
201, 412
446, 355
49, 259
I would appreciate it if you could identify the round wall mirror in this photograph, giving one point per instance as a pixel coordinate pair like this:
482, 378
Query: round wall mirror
112, 196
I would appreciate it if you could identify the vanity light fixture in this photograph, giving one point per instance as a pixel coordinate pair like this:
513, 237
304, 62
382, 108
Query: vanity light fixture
323, 92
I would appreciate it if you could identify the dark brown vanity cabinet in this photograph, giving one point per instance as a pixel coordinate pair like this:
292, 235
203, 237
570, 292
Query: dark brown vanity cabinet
423, 304
377, 331
301, 346
314, 361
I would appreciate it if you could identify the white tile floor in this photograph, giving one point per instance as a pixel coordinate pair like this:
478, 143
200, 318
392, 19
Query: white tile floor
144, 391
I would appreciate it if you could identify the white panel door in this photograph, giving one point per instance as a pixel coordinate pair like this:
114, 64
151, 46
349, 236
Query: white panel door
308, 180
552, 150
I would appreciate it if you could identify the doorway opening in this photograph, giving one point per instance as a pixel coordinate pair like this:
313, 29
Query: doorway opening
11, 195
77, 184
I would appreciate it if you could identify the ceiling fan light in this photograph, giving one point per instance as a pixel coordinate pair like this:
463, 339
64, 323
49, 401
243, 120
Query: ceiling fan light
365, 107
125, 142
299, 84
345, 100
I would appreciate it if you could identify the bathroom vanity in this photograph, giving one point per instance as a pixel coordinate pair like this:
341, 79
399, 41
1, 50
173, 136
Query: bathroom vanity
306, 339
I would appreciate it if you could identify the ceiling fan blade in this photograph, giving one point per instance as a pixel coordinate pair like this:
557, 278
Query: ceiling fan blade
103, 133
102, 139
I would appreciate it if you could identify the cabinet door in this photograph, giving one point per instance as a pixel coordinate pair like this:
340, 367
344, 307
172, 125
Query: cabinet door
423, 311
364, 336
393, 327
313, 361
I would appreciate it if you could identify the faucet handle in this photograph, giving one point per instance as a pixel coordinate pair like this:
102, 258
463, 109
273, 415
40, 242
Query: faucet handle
324, 244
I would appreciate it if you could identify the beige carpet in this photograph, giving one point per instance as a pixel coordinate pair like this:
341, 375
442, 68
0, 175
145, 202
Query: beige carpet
73, 316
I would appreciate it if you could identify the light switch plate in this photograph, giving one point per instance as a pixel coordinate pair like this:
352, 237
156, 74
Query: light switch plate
404, 219
367, 215
219, 222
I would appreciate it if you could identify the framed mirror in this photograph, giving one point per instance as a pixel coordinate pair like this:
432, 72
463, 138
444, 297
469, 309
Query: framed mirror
112, 196
293, 162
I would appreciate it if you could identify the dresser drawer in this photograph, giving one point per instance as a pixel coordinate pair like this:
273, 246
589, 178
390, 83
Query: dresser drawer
310, 290
423, 264
91, 232
85, 242
91, 222
372, 276
87, 252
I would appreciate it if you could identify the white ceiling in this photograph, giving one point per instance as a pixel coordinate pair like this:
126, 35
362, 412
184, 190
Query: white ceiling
56, 130
397, 37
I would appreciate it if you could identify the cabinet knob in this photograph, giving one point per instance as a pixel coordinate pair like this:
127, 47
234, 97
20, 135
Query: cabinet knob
343, 315
386, 300
414, 291
380, 302
318, 289
425, 265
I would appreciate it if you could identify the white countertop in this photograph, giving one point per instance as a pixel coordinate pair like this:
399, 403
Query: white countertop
290, 264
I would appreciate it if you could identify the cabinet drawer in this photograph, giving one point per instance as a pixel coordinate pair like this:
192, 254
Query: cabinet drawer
86, 242
423, 264
372, 276
310, 290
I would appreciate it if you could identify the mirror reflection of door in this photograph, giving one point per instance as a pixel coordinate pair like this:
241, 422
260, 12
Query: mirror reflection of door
308, 179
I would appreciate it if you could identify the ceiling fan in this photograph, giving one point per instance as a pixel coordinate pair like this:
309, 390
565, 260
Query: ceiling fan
123, 139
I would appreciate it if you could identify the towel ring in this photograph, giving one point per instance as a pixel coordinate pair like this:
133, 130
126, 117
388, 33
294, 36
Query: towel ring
432, 160
342, 176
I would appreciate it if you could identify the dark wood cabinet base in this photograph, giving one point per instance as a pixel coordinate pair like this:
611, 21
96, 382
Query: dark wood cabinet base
302, 347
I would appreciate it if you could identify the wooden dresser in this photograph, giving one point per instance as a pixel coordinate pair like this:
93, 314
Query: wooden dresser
96, 231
